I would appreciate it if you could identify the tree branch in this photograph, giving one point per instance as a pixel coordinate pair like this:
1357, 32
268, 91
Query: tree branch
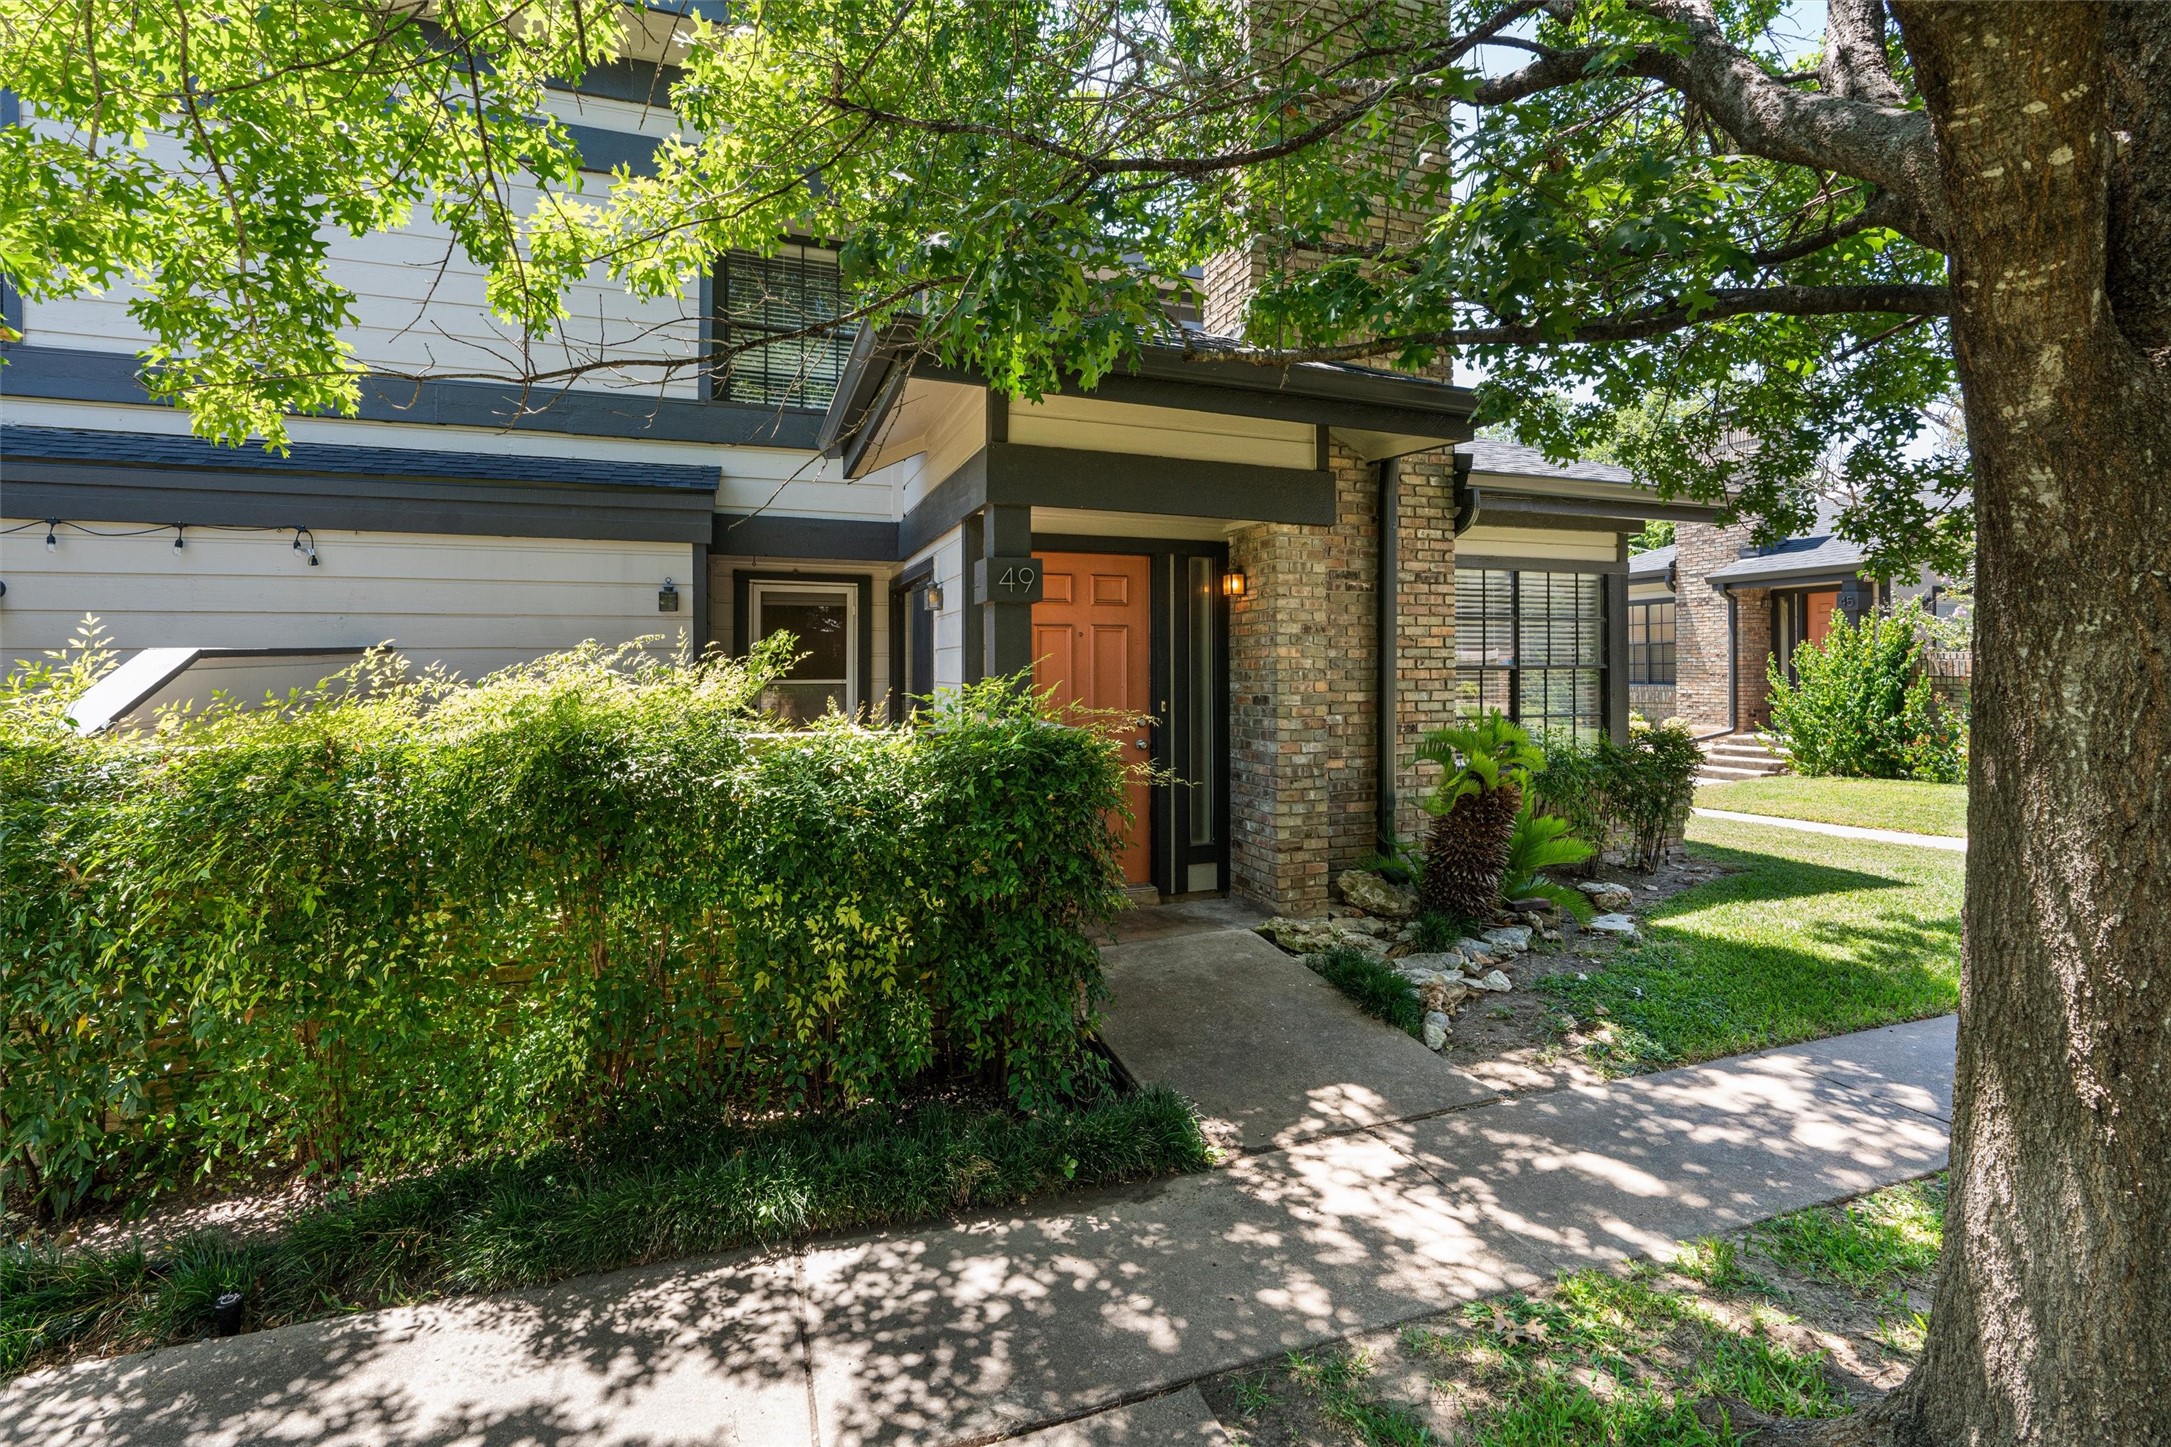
1898, 298
1856, 66
1886, 146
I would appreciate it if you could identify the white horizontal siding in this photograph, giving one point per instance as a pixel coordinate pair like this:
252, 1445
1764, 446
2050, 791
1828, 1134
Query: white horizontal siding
472, 603
1538, 545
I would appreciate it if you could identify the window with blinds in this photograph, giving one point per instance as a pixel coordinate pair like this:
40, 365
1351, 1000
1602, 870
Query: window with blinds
779, 297
1650, 643
1533, 646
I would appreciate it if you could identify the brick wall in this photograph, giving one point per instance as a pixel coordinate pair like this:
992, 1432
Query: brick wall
1702, 638
1304, 679
1752, 656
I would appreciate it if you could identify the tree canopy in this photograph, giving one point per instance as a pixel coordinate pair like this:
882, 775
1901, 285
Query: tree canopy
1607, 206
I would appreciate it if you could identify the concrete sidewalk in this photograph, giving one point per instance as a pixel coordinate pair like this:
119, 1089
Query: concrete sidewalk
1841, 831
1092, 1315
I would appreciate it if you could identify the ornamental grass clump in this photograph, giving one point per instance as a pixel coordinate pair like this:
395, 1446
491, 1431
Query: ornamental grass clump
400, 920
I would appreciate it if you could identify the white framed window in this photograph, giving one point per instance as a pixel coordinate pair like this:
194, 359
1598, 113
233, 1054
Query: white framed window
824, 619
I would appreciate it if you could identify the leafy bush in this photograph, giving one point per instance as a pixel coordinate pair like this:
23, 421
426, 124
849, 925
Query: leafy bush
403, 920
620, 1201
1636, 794
1374, 985
1862, 708
1542, 841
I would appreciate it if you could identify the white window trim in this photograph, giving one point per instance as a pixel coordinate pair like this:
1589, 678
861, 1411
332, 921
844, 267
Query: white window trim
854, 665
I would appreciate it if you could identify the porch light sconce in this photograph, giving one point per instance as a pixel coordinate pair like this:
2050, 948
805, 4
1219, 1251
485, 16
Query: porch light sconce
931, 597
667, 597
1232, 583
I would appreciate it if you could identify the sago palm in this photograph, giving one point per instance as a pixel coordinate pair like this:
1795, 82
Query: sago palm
1473, 808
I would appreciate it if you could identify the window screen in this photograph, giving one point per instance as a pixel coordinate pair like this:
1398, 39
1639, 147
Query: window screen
823, 622
1650, 643
776, 296
1533, 646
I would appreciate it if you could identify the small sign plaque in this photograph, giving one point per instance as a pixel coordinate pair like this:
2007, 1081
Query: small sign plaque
1006, 580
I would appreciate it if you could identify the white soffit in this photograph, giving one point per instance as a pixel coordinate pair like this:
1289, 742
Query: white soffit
940, 418
1538, 544
1091, 425
1085, 523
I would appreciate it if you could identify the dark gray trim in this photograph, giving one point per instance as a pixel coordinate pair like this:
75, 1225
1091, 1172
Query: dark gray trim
1733, 662
741, 594
1389, 589
640, 82
974, 652
80, 376
11, 301
603, 150
1833, 577
1006, 628
698, 633
1012, 473
1603, 513
779, 535
100, 493
1538, 565
1616, 674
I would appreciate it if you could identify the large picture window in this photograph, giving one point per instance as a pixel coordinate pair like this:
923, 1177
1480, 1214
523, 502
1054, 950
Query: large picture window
776, 297
824, 619
1650, 644
1533, 646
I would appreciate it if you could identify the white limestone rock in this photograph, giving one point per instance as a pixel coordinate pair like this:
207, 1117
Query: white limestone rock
1606, 894
1514, 938
1436, 1026
1374, 895
1614, 924
1494, 981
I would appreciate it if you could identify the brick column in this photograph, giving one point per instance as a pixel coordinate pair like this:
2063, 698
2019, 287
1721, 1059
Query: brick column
1703, 640
1752, 657
1425, 626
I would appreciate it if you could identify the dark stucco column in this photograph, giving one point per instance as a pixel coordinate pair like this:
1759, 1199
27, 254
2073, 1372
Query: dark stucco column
1006, 628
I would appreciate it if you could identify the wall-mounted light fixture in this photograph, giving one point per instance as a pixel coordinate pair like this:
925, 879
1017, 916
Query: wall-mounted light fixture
931, 597
177, 527
667, 597
52, 535
1232, 583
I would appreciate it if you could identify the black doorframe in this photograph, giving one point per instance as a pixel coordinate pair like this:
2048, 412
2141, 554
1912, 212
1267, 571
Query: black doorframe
912, 638
1168, 660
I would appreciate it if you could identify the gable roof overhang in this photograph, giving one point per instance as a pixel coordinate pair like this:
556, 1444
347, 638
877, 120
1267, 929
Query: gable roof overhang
1377, 414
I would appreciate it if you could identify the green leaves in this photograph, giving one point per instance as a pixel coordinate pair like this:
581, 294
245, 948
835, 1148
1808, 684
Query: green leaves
1861, 707
404, 919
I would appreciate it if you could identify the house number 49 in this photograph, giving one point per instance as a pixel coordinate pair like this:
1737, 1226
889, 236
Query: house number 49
1006, 580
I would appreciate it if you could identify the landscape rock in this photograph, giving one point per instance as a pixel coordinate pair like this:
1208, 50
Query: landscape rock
1435, 1030
1533, 905
1614, 924
1444, 993
1606, 894
1513, 938
1494, 981
1375, 895
1447, 962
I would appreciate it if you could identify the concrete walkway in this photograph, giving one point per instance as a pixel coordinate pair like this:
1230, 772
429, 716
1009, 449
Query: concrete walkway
1260, 1044
1843, 831
1091, 1317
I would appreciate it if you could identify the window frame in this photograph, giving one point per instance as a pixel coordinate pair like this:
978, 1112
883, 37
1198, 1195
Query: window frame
860, 627
1513, 671
794, 392
1642, 651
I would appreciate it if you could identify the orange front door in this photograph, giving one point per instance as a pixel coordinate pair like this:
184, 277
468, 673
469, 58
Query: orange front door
1089, 644
1820, 614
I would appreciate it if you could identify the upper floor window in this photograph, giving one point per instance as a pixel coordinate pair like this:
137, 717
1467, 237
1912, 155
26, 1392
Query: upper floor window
780, 297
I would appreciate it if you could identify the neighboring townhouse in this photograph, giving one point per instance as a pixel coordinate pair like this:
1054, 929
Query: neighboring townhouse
1286, 574
1713, 613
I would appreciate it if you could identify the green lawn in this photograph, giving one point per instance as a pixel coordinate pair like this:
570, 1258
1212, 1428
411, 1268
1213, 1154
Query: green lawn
1811, 936
1870, 803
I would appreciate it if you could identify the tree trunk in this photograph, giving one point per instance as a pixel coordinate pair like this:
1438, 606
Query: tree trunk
2052, 1321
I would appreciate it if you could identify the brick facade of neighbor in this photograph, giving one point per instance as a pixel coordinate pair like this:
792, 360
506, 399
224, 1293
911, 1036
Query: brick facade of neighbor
1700, 624
1304, 679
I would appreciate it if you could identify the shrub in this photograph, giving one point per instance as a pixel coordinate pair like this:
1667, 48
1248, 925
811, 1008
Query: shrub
1473, 806
1862, 709
403, 920
1542, 841
1636, 795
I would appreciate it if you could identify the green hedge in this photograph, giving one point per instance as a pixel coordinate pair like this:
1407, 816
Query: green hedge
403, 920
1861, 707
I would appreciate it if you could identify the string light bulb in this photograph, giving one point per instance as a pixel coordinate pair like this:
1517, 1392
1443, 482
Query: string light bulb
310, 547
177, 536
52, 535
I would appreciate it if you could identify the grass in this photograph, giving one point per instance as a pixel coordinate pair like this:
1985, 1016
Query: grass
1639, 1357
565, 1211
1374, 986
1810, 936
1869, 803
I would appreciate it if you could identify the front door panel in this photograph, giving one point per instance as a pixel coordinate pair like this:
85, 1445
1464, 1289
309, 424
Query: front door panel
1090, 644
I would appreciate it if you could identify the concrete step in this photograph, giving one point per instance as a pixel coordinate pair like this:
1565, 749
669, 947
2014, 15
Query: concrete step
1728, 774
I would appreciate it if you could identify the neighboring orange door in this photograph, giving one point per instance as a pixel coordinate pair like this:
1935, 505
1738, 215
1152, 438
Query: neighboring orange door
1090, 633
1820, 614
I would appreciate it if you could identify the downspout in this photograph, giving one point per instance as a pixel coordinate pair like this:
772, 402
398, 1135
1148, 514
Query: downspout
1388, 588
1733, 661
